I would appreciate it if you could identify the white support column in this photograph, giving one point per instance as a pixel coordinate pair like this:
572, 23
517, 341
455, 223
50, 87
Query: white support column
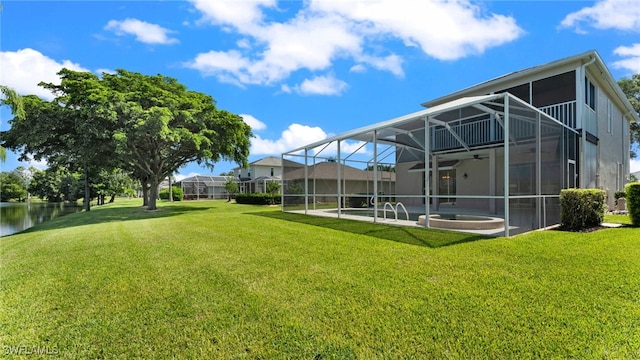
435, 177
306, 181
580, 123
507, 120
339, 193
492, 181
314, 183
375, 176
539, 199
427, 151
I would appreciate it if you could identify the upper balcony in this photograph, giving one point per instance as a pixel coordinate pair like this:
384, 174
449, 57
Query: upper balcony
488, 129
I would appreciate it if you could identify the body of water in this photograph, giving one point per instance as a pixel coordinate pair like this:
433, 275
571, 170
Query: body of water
15, 217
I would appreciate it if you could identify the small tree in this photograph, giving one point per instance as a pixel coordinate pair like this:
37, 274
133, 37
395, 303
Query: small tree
231, 187
12, 187
273, 189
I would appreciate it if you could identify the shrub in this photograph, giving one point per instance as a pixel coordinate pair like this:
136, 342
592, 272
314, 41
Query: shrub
581, 208
633, 202
258, 199
619, 194
176, 191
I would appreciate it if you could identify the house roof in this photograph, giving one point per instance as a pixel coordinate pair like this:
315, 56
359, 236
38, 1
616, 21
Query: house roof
261, 179
590, 58
268, 161
366, 133
272, 161
328, 171
209, 180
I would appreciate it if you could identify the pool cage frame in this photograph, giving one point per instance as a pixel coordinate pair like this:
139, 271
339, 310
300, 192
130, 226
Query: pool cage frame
526, 156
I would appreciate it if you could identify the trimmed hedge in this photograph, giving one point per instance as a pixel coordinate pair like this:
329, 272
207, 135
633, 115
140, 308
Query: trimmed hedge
258, 199
581, 208
177, 194
633, 202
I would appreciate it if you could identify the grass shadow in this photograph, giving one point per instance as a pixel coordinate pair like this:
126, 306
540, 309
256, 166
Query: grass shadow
99, 215
433, 238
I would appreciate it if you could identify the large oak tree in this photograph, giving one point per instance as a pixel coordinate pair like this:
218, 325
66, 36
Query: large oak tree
162, 126
149, 126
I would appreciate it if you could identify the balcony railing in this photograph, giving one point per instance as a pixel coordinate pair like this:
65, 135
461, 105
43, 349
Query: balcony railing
488, 130
563, 112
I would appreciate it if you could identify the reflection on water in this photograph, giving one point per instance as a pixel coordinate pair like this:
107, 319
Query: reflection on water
15, 217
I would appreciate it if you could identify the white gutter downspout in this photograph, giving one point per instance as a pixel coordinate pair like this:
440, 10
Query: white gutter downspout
581, 102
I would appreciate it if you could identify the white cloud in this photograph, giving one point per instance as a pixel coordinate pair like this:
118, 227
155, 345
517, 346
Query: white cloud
324, 31
227, 66
22, 70
297, 136
242, 15
143, 31
243, 44
310, 43
358, 68
293, 137
445, 30
632, 58
38, 164
606, 14
391, 63
321, 85
253, 122
634, 165
180, 177
285, 89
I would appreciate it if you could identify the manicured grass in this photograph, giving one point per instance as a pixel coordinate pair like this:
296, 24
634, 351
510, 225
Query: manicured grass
210, 279
617, 219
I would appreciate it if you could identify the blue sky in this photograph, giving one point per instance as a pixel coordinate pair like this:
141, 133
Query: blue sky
300, 71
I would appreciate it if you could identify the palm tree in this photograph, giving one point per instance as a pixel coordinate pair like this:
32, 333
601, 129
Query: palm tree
11, 98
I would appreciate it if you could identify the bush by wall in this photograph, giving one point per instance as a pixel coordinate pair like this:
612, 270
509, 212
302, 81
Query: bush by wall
619, 194
258, 199
633, 202
581, 208
176, 191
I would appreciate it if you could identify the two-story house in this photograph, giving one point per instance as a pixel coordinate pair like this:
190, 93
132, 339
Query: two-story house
505, 147
254, 178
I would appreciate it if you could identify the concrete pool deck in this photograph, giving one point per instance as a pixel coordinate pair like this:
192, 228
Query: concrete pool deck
332, 213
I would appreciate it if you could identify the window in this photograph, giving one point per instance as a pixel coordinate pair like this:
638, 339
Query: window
271, 171
589, 94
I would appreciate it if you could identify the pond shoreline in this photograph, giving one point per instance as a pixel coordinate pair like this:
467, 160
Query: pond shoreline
19, 216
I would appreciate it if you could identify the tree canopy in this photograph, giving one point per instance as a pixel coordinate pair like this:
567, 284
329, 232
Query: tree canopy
148, 126
10, 98
631, 88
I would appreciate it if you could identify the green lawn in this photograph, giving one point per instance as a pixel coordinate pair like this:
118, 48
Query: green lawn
209, 279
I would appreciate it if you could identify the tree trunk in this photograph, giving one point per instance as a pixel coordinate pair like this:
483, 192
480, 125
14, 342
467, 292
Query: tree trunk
153, 194
87, 192
170, 189
145, 193
112, 199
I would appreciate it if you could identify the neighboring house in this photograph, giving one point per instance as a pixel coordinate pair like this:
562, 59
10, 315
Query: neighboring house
356, 184
204, 187
254, 178
505, 147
